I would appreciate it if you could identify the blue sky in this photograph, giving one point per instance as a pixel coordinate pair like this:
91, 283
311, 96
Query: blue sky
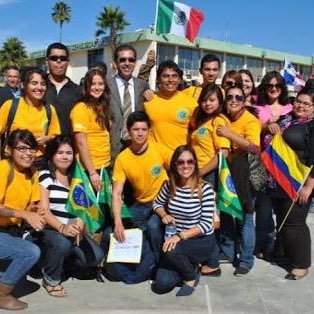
266, 24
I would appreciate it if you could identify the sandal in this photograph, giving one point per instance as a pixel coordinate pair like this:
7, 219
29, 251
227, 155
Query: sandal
57, 291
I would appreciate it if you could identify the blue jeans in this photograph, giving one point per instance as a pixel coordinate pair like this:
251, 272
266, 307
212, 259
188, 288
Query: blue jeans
144, 218
181, 263
21, 255
265, 225
58, 249
238, 238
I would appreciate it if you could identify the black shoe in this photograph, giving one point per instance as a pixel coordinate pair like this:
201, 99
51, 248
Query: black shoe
241, 271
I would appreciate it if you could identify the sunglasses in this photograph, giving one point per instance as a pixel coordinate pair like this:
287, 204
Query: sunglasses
56, 58
270, 86
24, 149
122, 60
236, 97
305, 104
229, 84
189, 162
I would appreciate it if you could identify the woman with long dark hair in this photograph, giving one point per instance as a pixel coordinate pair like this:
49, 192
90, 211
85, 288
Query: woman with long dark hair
90, 124
59, 239
18, 176
188, 202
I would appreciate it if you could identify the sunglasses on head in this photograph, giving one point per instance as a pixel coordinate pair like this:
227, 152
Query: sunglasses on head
236, 97
229, 84
131, 60
189, 162
270, 86
56, 58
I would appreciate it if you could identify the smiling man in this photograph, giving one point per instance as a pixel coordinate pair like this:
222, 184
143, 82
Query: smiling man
62, 93
144, 165
170, 110
12, 84
126, 96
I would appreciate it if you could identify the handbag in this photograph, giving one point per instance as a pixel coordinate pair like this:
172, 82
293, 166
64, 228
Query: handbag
257, 172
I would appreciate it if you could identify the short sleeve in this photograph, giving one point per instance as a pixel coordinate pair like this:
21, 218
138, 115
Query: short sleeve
4, 173
79, 118
35, 189
252, 131
4, 112
166, 154
54, 127
118, 172
220, 141
45, 179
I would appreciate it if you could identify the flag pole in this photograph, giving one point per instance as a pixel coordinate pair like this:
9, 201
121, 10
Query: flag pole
156, 16
98, 192
294, 201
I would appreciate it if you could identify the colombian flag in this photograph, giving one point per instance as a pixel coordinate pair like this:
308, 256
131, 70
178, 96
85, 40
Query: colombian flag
283, 164
227, 198
82, 201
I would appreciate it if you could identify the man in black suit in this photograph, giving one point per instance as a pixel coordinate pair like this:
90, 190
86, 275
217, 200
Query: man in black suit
126, 96
12, 84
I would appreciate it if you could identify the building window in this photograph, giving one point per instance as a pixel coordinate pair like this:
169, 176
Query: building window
189, 60
234, 62
255, 66
95, 56
305, 72
273, 65
164, 53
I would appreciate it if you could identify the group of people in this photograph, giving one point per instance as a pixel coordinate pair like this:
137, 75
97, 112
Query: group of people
162, 151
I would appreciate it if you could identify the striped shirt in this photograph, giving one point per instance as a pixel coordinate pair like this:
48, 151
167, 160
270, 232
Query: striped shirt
58, 196
187, 209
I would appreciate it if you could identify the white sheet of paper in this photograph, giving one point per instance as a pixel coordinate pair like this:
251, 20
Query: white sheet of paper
129, 251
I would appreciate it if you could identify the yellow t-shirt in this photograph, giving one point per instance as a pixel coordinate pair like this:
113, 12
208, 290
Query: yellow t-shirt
206, 142
170, 118
193, 91
31, 118
83, 120
146, 172
249, 127
20, 192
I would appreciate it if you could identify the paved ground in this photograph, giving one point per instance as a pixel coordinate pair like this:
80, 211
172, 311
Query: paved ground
264, 290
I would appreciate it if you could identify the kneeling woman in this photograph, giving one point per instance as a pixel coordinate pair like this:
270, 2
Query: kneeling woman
188, 202
59, 237
17, 176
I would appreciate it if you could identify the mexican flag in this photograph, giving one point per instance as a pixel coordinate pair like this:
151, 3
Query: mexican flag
227, 197
178, 19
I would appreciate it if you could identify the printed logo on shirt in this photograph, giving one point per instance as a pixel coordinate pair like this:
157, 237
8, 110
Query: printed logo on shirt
202, 131
156, 170
182, 114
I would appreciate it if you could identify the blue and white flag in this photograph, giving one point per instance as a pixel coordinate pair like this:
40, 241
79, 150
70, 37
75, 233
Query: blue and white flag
291, 76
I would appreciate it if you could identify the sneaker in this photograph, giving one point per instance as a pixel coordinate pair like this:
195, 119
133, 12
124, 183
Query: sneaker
241, 271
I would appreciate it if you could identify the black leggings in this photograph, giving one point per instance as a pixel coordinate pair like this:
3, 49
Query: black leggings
295, 233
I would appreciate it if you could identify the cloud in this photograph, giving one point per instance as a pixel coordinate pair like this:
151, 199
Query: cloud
8, 2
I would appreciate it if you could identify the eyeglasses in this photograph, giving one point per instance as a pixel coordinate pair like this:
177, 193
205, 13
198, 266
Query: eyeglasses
56, 58
229, 84
122, 60
236, 97
189, 162
270, 86
305, 104
24, 149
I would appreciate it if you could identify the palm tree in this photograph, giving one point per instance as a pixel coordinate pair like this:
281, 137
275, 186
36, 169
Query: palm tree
61, 13
13, 52
113, 20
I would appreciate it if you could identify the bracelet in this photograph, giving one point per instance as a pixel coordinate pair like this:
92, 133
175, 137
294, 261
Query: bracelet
61, 228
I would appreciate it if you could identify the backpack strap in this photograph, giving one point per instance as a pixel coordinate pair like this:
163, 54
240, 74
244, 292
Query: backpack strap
49, 114
10, 119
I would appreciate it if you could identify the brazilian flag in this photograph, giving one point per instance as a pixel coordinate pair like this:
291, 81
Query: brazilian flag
227, 198
105, 194
82, 201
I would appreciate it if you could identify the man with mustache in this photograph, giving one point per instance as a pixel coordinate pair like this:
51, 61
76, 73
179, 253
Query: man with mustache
126, 96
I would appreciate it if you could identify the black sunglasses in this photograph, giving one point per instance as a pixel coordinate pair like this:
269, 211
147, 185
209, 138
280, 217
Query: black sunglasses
269, 86
189, 162
56, 58
236, 97
131, 60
